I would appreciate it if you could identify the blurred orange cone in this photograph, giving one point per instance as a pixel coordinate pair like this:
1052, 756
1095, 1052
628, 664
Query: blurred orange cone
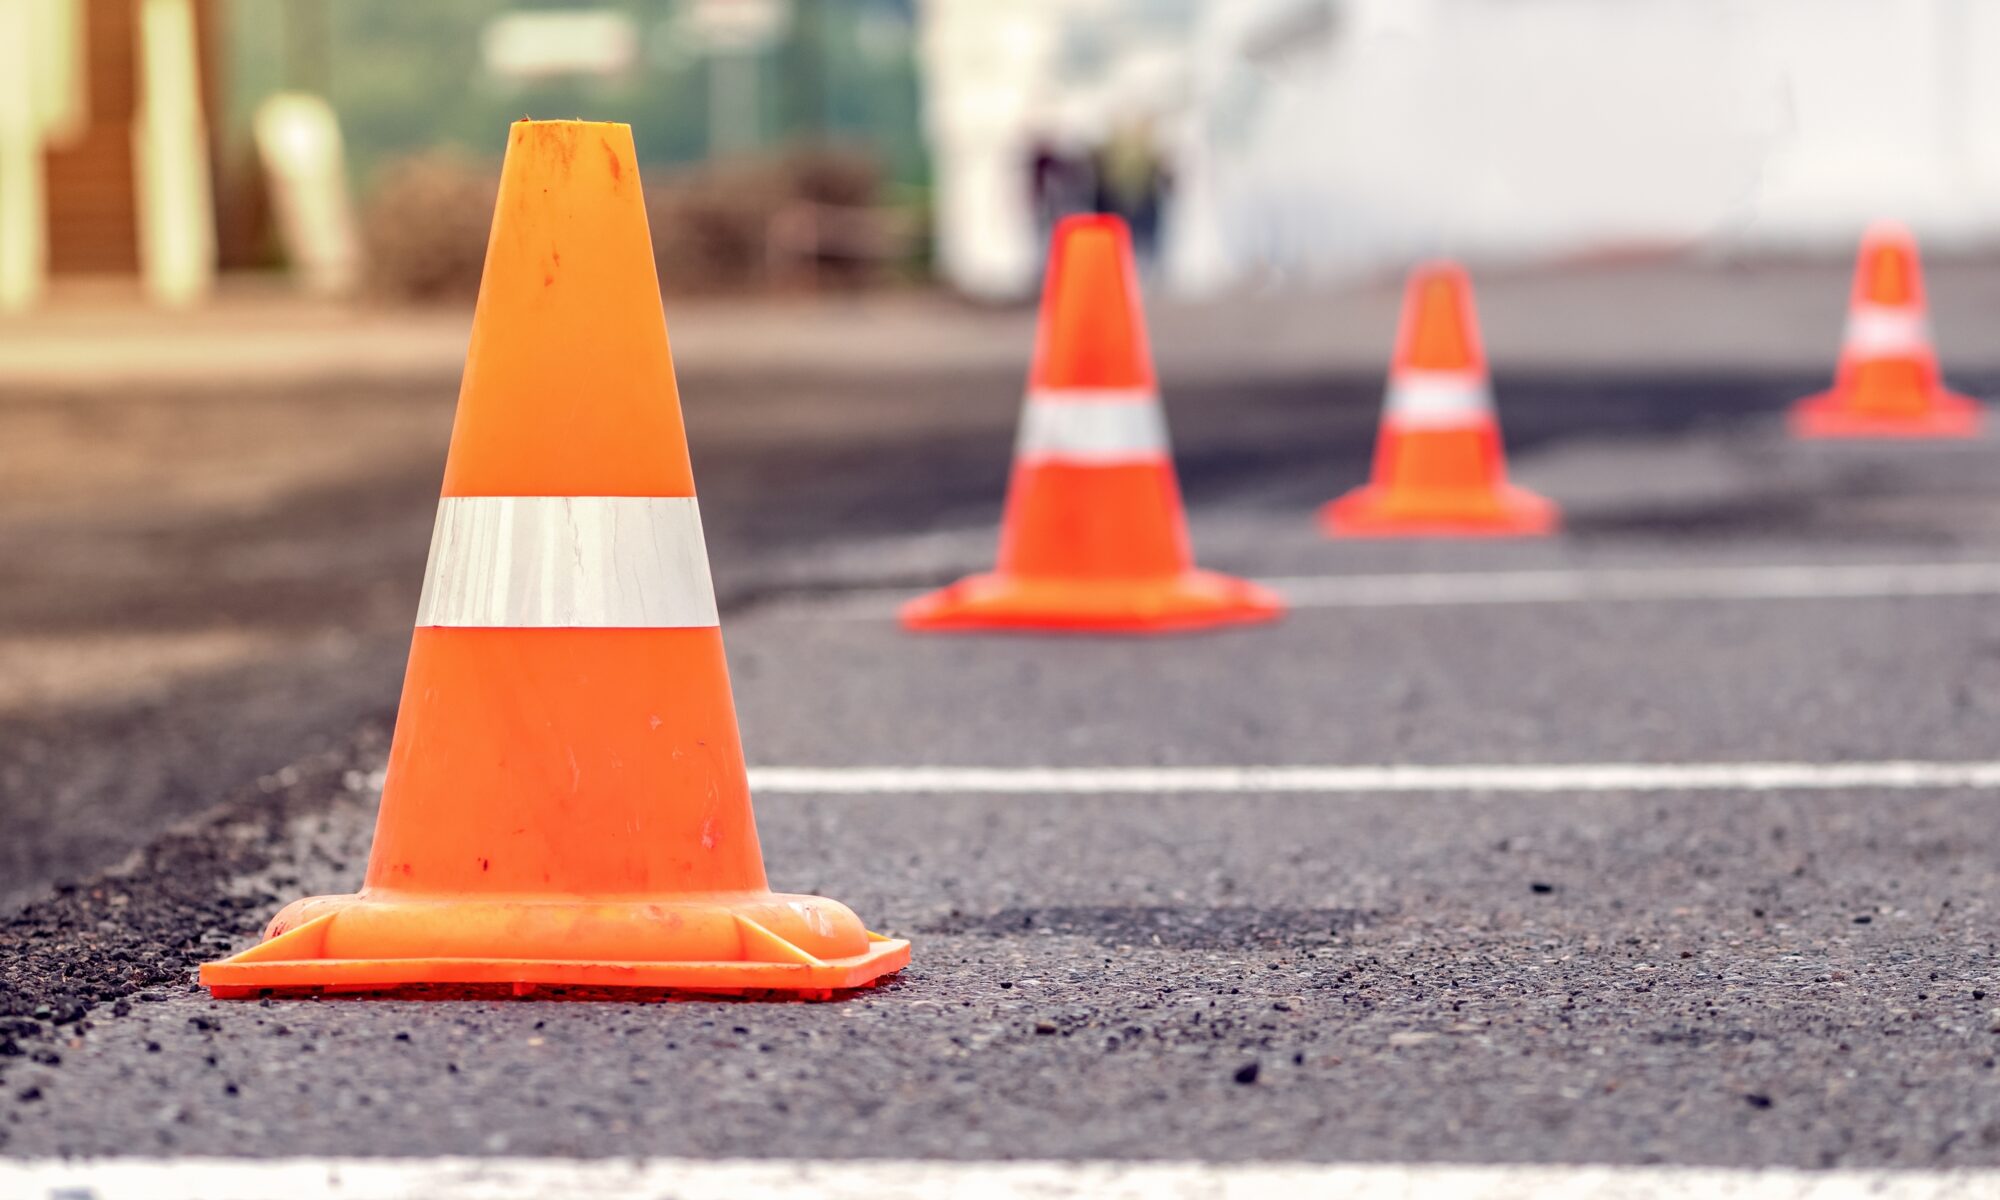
1093, 538
566, 801
1887, 383
1440, 467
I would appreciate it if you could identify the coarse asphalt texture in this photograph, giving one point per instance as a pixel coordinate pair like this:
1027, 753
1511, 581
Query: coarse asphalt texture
1726, 978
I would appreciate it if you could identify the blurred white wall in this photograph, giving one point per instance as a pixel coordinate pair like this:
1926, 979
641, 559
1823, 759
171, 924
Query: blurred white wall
1881, 107
985, 65
1322, 138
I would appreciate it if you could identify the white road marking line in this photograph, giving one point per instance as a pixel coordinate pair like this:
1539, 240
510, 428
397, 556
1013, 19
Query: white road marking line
1864, 581
452, 1179
1871, 580
686, 1179
1329, 780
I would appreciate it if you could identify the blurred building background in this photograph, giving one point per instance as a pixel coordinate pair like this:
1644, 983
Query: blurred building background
157, 142
848, 142
1321, 138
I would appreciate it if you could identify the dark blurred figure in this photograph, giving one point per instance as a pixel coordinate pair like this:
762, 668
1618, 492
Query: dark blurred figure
1132, 182
1064, 183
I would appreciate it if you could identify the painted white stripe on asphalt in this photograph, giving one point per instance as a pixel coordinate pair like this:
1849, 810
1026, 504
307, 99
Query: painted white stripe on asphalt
1482, 778
1441, 398
1852, 582
1100, 428
628, 1179
517, 562
1644, 583
1875, 329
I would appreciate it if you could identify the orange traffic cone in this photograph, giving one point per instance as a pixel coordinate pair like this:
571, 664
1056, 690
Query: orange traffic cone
1887, 384
1093, 538
566, 801
1440, 467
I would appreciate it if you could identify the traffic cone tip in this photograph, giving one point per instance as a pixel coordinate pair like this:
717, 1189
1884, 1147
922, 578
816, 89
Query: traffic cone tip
1439, 330
569, 383
1091, 332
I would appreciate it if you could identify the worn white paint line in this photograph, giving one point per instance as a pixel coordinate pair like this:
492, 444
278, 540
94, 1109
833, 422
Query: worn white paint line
1565, 586
876, 1179
527, 562
1853, 581
1342, 780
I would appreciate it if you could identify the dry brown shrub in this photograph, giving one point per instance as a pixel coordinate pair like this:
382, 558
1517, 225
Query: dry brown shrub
425, 222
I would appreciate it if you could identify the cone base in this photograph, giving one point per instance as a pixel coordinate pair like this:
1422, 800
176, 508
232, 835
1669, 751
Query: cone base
1833, 415
1373, 511
1189, 601
724, 944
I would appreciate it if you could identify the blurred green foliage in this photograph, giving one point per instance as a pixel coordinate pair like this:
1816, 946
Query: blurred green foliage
407, 76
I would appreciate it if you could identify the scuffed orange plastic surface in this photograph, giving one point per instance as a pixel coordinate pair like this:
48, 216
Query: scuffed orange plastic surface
566, 806
569, 385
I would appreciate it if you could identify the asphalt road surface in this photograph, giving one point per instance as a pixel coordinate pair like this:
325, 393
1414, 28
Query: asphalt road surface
1631, 972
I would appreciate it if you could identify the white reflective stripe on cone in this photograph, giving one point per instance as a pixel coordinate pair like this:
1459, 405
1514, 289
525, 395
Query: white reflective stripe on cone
1100, 428
604, 562
1874, 329
1438, 397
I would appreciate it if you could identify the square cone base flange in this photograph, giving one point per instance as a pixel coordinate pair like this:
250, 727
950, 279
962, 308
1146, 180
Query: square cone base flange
1373, 511
1832, 415
1181, 603
297, 961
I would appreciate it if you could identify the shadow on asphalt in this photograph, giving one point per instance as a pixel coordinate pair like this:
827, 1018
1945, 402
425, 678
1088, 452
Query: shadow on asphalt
933, 453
